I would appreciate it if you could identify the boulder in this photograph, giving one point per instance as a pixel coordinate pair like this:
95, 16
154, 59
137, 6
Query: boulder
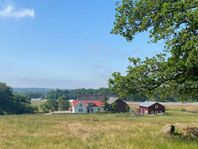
181, 129
191, 132
186, 129
168, 130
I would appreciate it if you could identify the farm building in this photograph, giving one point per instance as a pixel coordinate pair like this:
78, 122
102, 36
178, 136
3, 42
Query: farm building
117, 105
86, 106
149, 107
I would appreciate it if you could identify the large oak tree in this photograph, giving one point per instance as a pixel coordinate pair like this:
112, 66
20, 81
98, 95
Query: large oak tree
175, 22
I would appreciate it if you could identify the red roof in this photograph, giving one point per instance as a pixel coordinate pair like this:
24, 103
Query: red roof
96, 102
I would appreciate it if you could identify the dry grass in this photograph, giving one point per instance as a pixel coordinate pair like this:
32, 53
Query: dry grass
94, 131
184, 107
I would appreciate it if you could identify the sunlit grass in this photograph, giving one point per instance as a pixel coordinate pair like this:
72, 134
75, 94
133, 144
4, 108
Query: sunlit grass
192, 108
93, 131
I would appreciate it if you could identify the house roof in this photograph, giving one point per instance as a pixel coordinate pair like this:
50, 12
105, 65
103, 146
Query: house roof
147, 103
111, 100
97, 103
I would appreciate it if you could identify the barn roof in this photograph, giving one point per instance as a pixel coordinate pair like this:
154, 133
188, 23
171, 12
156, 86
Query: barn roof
147, 103
111, 100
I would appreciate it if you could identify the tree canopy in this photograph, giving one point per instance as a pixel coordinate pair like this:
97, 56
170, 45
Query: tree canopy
61, 104
176, 23
13, 104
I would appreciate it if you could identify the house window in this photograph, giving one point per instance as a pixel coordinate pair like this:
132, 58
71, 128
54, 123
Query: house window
98, 109
81, 105
91, 104
80, 110
156, 106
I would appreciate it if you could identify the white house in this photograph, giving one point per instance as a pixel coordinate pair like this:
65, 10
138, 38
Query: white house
86, 106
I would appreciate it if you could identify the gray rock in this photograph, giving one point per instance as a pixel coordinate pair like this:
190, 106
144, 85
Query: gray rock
168, 130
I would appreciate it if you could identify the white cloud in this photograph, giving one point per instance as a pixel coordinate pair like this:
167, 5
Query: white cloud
10, 11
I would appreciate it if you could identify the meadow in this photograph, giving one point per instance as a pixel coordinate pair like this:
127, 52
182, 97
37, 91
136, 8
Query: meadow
95, 131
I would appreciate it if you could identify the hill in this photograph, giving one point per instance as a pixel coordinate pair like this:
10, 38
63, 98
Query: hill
32, 90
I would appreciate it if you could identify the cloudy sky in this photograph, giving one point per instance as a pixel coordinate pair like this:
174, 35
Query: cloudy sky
64, 44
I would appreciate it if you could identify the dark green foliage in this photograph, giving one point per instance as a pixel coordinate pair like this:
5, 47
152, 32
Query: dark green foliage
13, 104
175, 22
63, 104
5, 98
107, 107
21, 104
113, 107
50, 106
55, 94
80, 93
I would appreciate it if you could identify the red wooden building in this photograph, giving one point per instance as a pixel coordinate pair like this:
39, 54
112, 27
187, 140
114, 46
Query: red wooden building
149, 107
119, 105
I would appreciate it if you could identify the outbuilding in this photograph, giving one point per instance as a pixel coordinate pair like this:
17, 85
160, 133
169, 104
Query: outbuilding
117, 105
150, 107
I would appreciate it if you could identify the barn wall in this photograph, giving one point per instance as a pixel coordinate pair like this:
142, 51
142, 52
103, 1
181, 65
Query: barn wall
152, 109
156, 108
121, 106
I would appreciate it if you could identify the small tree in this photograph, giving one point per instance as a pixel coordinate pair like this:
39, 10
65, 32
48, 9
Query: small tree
63, 103
106, 105
113, 107
50, 105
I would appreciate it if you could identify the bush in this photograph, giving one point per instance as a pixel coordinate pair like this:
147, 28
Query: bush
49, 106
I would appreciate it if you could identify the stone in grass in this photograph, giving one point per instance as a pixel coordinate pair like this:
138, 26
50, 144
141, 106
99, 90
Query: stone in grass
188, 130
191, 132
168, 130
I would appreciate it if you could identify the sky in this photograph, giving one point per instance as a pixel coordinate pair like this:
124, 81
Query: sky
64, 44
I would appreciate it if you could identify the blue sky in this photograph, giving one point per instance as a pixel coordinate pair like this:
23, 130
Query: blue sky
64, 44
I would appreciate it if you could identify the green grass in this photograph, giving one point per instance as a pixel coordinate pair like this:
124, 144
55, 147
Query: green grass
94, 131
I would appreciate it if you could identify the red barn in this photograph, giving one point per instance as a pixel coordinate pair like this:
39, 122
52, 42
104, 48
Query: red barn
149, 107
119, 105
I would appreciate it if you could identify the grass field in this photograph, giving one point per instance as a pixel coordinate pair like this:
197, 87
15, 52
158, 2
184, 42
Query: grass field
93, 131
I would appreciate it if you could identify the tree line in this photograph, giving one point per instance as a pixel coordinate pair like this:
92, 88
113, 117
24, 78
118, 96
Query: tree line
86, 94
101, 94
80, 93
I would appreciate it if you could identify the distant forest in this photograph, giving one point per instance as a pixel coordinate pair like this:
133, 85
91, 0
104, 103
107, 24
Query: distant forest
69, 94
83, 94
